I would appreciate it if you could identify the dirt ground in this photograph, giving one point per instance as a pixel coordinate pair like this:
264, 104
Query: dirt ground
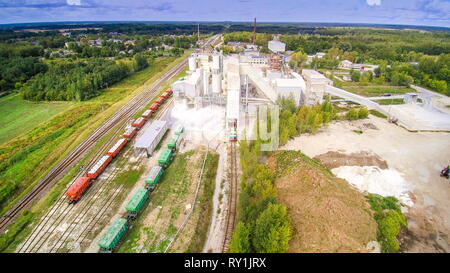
327, 214
216, 231
336, 159
418, 156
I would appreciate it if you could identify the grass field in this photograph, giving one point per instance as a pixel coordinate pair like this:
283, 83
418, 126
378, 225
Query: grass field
19, 116
377, 91
26, 159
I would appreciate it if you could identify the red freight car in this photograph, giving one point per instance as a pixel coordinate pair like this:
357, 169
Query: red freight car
139, 122
78, 188
99, 167
166, 94
170, 91
159, 101
147, 114
154, 106
130, 133
117, 147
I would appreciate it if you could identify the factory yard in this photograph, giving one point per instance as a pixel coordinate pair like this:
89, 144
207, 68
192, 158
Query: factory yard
389, 160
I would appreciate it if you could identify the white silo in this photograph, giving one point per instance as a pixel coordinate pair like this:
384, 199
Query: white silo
216, 62
216, 83
192, 63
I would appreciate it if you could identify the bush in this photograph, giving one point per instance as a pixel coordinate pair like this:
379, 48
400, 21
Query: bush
272, 231
363, 113
352, 114
390, 220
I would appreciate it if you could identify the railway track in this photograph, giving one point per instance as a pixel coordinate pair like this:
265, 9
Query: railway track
232, 200
127, 111
93, 206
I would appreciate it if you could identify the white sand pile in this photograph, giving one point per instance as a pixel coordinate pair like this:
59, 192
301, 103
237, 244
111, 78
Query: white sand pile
372, 179
201, 124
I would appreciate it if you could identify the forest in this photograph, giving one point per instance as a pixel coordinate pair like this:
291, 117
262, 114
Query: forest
78, 80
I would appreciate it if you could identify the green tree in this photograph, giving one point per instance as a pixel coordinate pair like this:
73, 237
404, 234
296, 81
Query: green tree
272, 230
240, 242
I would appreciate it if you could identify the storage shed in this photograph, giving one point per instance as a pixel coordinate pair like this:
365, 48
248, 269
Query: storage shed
151, 137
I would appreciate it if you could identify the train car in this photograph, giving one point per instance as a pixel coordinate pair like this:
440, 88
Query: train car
147, 114
153, 177
159, 101
130, 133
117, 147
136, 203
167, 94
138, 123
99, 167
179, 130
165, 158
77, 189
112, 237
154, 106
233, 138
173, 142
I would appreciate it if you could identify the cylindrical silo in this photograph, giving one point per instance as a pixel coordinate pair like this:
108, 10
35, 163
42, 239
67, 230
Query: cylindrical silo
216, 83
192, 63
216, 62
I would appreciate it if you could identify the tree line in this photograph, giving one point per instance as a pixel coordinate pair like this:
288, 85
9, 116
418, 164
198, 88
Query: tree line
78, 80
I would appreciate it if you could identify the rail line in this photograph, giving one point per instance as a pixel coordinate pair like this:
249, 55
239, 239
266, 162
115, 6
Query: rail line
232, 200
133, 106
91, 198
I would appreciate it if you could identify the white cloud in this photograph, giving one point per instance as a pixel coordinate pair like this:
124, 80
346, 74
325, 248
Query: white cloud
74, 2
373, 2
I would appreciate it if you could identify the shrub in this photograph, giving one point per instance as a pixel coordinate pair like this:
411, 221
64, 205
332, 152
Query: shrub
363, 113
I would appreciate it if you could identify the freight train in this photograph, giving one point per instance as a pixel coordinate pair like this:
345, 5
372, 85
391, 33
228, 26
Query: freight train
82, 184
116, 232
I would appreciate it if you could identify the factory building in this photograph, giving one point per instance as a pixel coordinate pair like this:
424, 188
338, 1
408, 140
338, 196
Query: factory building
237, 80
315, 86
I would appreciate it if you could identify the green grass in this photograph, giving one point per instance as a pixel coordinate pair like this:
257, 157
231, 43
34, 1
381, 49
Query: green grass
377, 114
390, 101
377, 91
18, 116
26, 159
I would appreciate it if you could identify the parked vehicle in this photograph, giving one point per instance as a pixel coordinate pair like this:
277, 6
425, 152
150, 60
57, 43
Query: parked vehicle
153, 178
130, 133
112, 237
138, 123
99, 167
136, 203
78, 188
173, 142
147, 114
154, 106
165, 158
179, 130
117, 147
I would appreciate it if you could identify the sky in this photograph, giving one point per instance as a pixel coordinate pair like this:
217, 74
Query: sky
408, 12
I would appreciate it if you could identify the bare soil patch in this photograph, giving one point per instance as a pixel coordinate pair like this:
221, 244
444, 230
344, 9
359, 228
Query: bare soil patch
328, 215
337, 159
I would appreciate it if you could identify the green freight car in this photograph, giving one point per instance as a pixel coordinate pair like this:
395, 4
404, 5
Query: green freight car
136, 203
179, 130
153, 178
165, 158
113, 236
173, 142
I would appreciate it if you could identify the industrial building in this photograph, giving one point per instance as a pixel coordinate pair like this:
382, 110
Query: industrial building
235, 81
152, 135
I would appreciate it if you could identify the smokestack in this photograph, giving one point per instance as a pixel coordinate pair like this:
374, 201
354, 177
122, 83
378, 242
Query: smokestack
254, 31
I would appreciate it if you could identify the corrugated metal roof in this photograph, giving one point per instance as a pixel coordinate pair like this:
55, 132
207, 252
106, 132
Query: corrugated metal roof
151, 133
